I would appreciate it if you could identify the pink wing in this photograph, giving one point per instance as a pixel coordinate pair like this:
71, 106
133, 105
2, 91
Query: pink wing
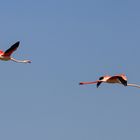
11, 49
1, 52
121, 78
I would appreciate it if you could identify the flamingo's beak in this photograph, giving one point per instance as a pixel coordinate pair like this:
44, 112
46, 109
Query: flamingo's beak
81, 83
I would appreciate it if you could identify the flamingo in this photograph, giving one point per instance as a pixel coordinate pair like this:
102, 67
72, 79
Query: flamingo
120, 79
5, 56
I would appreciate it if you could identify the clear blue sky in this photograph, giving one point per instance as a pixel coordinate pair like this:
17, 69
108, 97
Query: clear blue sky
68, 42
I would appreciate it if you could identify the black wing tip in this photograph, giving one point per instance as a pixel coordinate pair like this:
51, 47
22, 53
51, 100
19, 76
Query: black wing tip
17, 43
124, 82
98, 84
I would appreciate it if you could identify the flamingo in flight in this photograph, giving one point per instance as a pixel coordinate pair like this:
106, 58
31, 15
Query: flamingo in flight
7, 54
120, 79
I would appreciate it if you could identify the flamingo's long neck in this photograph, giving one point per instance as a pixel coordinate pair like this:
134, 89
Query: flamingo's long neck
85, 83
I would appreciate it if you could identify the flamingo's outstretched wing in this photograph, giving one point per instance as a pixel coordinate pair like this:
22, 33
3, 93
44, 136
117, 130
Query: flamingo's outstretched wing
122, 80
11, 49
99, 82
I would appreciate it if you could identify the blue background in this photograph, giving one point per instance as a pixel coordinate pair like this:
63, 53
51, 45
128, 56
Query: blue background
68, 42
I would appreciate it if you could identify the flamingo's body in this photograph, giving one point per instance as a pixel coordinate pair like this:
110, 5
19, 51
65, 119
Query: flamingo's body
120, 79
5, 56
